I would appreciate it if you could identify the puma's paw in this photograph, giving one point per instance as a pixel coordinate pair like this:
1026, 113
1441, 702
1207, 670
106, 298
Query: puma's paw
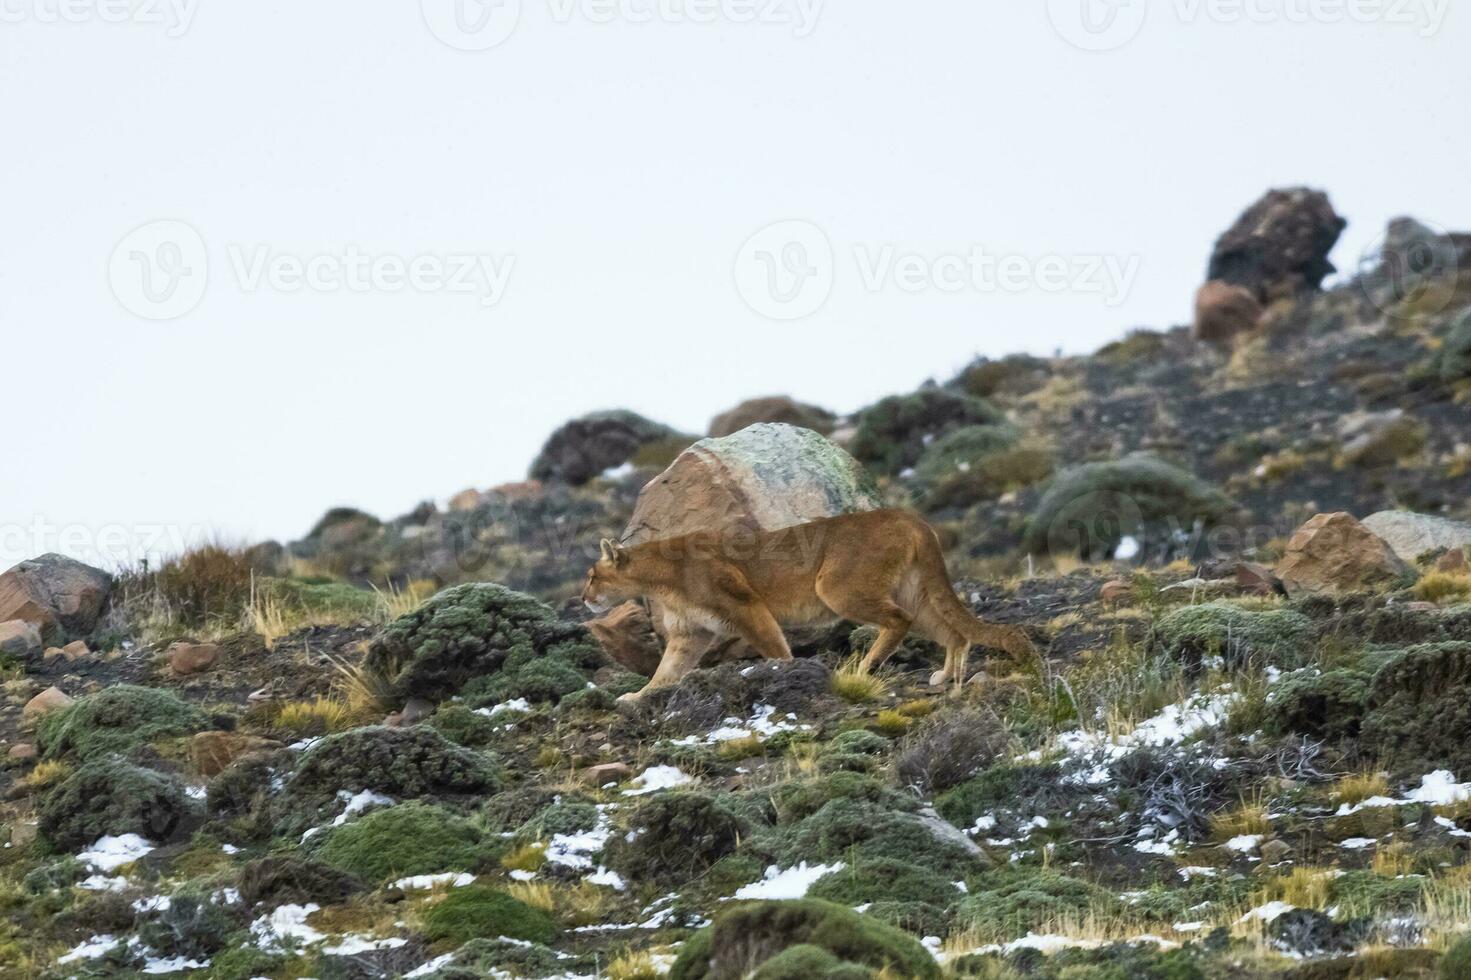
939, 679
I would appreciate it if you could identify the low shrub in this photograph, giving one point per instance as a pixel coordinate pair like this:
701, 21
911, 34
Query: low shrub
205, 585
748, 935
1218, 629
116, 720
468, 632
408, 839
849, 830
1089, 509
524, 674
948, 748
1024, 901
403, 763
894, 433
1328, 705
1419, 709
463, 726
674, 836
281, 879
1453, 361
479, 910
112, 797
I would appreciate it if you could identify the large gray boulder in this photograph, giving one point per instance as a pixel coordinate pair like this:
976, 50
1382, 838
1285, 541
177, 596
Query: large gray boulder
1279, 246
763, 478
1411, 534
60, 596
584, 447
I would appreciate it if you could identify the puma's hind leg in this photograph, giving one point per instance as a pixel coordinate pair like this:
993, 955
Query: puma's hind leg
892, 621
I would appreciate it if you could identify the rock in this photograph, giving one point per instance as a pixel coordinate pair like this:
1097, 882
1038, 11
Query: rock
627, 635
416, 710
1335, 553
212, 752
607, 772
1452, 562
1223, 311
1379, 438
1279, 246
192, 658
60, 596
1415, 255
19, 638
516, 492
1275, 851
73, 651
766, 477
1116, 591
21, 752
1421, 607
775, 408
1411, 534
49, 700
465, 501
585, 447
1256, 579
269, 558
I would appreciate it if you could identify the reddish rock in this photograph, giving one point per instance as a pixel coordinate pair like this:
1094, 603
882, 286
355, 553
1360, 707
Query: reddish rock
1453, 561
49, 700
520, 490
211, 752
1223, 311
192, 658
60, 596
1335, 553
465, 500
1258, 580
21, 751
415, 711
1116, 591
607, 772
19, 638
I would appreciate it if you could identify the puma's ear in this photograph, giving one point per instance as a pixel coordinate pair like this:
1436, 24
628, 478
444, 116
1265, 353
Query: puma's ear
608, 549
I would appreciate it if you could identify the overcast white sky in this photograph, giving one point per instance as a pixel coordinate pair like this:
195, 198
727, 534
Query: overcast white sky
610, 160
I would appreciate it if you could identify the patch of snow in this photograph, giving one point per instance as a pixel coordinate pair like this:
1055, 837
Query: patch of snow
1245, 843
1164, 846
516, 704
1451, 828
175, 964
195, 792
154, 903
657, 778
1359, 843
357, 803
229, 848
422, 882
102, 883
618, 472
433, 966
1438, 788
90, 949
1192, 872
1128, 548
761, 723
610, 879
285, 922
1269, 912
114, 852
789, 884
576, 850
1188, 926
354, 944
983, 824
304, 744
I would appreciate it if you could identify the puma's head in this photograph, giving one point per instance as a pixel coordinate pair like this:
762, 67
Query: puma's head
608, 582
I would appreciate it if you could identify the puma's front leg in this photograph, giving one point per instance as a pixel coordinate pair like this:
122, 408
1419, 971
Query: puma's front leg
682, 654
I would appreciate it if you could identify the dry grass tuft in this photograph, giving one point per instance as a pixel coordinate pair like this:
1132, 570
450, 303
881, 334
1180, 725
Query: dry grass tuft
891, 722
1355, 789
320, 716
527, 857
365, 692
537, 894
1440, 586
741, 748
633, 966
47, 773
1248, 819
854, 685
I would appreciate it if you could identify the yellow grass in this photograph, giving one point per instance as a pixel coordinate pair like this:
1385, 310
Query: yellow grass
918, 708
890, 722
633, 966
741, 748
1440, 586
394, 602
537, 894
1250, 818
322, 714
1305, 888
1357, 788
367, 694
47, 773
527, 857
856, 687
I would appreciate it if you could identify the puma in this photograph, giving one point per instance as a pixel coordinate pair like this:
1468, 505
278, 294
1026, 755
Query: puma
883, 568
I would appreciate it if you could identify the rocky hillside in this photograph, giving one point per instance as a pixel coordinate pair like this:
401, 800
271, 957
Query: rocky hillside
395, 747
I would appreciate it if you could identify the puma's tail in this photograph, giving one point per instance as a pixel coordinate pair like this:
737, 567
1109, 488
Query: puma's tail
954, 613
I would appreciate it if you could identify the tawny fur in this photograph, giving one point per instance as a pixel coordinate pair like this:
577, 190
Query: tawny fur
884, 568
